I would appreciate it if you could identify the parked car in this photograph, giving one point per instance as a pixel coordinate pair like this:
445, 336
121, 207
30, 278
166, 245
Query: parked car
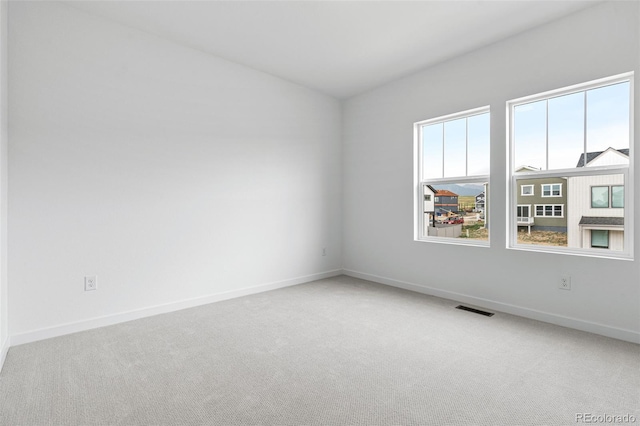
453, 220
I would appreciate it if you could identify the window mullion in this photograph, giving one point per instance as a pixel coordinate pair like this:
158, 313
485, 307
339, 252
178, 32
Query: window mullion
584, 129
466, 147
546, 136
443, 153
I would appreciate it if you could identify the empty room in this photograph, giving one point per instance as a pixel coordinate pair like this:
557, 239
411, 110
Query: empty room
319, 212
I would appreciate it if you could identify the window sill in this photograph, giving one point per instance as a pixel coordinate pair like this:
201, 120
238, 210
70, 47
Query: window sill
454, 241
597, 253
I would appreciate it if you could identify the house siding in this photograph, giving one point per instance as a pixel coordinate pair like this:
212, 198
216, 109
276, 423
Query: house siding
616, 239
580, 202
448, 203
542, 223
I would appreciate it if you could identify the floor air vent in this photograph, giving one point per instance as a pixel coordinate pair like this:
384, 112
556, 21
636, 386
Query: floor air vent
475, 311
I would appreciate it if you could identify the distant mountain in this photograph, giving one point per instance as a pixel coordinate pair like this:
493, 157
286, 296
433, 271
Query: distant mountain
462, 189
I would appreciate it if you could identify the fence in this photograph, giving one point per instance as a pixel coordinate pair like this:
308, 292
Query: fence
450, 231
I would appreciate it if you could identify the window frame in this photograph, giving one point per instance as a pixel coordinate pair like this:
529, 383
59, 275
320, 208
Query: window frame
627, 171
611, 194
544, 210
591, 188
599, 247
550, 185
533, 190
419, 182
529, 209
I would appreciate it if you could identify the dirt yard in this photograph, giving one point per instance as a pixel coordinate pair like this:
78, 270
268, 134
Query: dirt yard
544, 238
476, 232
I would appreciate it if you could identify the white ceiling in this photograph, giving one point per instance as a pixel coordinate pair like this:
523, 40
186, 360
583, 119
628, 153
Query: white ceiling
341, 48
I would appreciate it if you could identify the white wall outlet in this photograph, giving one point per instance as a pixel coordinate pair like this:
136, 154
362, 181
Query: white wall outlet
565, 282
90, 283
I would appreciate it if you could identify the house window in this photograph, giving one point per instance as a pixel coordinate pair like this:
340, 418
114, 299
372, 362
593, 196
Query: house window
576, 143
552, 190
599, 197
452, 163
599, 238
549, 210
526, 190
427, 197
524, 213
617, 197
607, 196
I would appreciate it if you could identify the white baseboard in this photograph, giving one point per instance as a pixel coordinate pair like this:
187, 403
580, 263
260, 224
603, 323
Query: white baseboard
4, 349
61, 330
591, 327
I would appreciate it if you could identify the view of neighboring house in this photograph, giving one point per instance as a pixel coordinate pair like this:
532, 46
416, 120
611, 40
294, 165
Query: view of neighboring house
446, 203
429, 206
596, 214
439, 204
480, 201
486, 204
542, 203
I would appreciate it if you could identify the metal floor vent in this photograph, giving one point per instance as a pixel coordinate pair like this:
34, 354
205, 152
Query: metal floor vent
475, 311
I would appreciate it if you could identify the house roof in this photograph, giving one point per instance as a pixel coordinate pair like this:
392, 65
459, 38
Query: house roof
593, 155
445, 193
527, 168
601, 220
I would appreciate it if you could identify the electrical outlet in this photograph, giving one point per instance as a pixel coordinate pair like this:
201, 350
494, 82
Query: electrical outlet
90, 283
565, 282
324, 251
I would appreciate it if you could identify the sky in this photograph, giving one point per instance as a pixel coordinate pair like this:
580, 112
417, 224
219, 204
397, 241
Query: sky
465, 151
607, 125
549, 134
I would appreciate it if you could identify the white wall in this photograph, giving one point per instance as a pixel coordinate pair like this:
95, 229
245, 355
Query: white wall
378, 174
168, 173
4, 327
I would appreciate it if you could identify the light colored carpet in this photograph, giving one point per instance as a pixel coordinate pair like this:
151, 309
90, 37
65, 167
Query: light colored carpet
333, 352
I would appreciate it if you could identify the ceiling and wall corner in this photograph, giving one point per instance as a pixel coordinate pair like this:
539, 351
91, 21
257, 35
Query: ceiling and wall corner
341, 48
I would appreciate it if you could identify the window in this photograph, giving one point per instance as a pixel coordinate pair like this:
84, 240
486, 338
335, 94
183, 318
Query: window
617, 197
576, 144
599, 238
526, 190
599, 197
427, 197
452, 164
552, 190
607, 196
549, 210
524, 213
